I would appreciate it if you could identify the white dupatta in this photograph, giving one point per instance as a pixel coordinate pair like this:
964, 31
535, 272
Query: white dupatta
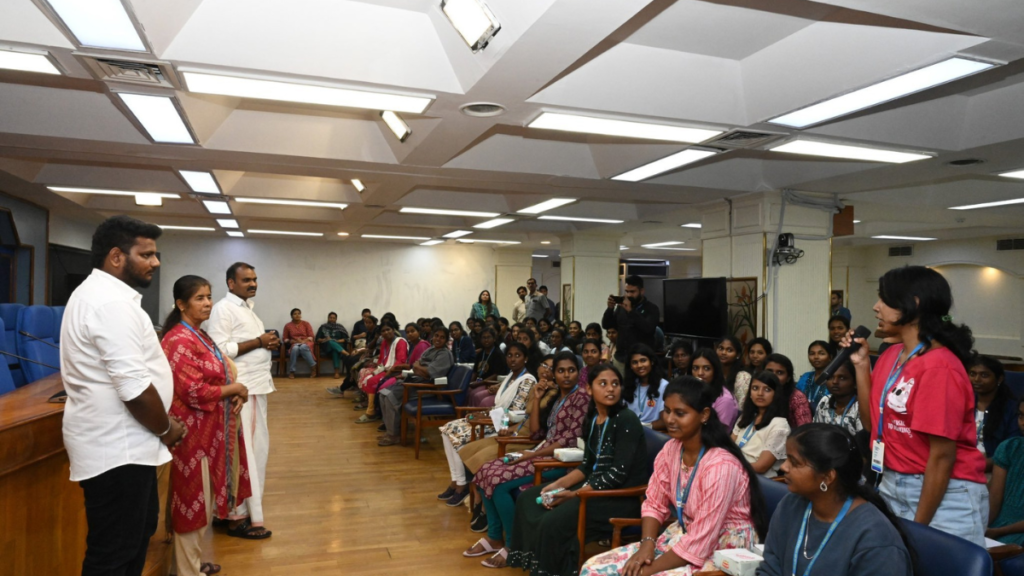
509, 388
389, 362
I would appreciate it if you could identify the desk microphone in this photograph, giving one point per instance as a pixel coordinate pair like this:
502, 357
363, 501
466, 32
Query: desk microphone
843, 356
38, 339
22, 358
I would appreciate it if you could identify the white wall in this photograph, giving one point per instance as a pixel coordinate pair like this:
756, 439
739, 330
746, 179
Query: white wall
71, 233
547, 275
345, 277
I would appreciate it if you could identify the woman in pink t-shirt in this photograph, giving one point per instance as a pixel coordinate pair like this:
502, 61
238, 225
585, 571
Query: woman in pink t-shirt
923, 432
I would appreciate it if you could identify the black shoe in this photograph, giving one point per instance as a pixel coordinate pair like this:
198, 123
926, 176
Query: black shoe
479, 524
448, 493
458, 497
382, 428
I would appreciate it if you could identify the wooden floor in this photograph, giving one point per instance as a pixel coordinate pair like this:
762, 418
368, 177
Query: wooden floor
339, 504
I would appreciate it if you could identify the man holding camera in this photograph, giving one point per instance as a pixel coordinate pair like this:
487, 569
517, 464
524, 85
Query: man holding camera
634, 316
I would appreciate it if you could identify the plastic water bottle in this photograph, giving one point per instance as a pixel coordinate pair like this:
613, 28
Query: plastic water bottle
504, 419
512, 457
547, 498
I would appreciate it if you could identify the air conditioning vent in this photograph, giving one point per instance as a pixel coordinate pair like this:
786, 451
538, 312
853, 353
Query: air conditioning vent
1010, 244
742, 139
556, 263
153, 74
901, 251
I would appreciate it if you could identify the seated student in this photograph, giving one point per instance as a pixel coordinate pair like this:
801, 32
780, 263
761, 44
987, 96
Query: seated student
1006, 491
463, 347
593, 332
846, 524
490, 366
680, 356
393, 358
576, 333
557, 341
497, 479
544, 330
543, 538
702, 483
591, 354
333, 339
762, 428
534, 353
757, 353
819, 355
737, 380
838, 326
298, 336
799, 412
644, 381
475, 328
840, 407
504, 331
705, 367
511, 395
994, 402
434, 362
361, 329
613, 338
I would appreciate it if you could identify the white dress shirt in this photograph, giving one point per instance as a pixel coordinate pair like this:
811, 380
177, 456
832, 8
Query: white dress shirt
231, 322
109, 354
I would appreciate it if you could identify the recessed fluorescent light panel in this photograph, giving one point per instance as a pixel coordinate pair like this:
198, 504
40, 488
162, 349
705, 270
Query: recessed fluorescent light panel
661, 244
468, 241
189, 228
235, 234
104, 192
696, 225
625, 128
149, 200
201, 182
358, 184
397, 126
1015, 174
677, 160
285, 233
473, 20
160, 117
856, 221
886, 91
988, 204
385, 237
573, 219
205, 83
432, 243
910, 238
669, 248
217, 207
27, 62
304, 203
440, 212
540, 255
548, 205
545, 242
342, 233
227, 222
99, 23
494, 223
643, 260
458, 234
810, 148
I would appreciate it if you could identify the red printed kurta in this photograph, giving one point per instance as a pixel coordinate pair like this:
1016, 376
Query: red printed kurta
198, 377
370, 379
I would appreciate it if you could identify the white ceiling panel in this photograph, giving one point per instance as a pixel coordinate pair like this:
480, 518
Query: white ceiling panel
506, 153
22, 21
66, 113
111, 177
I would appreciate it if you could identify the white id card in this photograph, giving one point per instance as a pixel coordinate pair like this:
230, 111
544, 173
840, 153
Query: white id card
877, 456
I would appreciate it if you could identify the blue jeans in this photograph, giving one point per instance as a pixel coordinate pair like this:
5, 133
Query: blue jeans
963, 511
304, 351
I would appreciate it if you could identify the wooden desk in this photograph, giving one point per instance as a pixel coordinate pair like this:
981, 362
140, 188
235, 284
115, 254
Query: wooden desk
42, 513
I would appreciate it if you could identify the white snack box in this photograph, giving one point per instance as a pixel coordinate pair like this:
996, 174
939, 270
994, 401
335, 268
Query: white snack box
737, 561
569, 454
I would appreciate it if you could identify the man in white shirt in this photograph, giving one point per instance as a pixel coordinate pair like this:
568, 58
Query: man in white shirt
519, 310
119, 387
240, 334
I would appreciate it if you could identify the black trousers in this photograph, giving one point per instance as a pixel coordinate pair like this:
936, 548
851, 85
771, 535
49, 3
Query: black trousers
122, 507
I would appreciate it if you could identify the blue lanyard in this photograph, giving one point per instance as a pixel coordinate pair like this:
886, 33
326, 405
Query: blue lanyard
747, 435
214, 349
828, 535
845, 410
894, 375
600, 443
554, 412
508, 381
685, 495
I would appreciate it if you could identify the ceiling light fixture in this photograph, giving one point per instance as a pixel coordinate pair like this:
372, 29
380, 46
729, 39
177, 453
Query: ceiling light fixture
207, 83
624, 128
547, 205
99, 23
303, 203
885, 91
856, 221
911, 238
440, 212
540, 255
342, 233
474, 241
661, 244
494, 223
227, 222
385, 237
285, 233
217, 207
149, 200
160, 118
189, 228
200, 182
235, 234
696, 225
27, 62
432, 243
677, 160
1014, 174
667, 248
623, 247
397, 126
574, 219
989, 204
644, 260
358, 184
545, 242
811, 148
104, 192
473, 20
458, 234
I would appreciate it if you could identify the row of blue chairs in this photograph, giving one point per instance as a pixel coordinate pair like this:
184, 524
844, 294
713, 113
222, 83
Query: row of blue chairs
33, 333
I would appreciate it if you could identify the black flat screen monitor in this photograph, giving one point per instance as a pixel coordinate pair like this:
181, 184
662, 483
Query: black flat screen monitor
696, 307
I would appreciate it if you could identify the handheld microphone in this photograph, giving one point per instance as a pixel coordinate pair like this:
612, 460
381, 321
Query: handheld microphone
843, 356
23, 359
38, 339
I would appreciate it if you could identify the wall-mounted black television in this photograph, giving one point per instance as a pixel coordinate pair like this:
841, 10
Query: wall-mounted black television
695, 307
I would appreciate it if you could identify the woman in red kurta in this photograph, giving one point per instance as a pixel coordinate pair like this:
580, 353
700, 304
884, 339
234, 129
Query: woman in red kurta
208, 471
393, 358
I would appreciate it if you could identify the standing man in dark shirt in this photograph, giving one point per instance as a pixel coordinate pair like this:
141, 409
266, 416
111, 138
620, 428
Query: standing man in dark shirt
634, 316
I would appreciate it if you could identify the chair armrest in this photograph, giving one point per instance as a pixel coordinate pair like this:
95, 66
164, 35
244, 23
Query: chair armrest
710, 573
618, 524
438, 392
419, 385
466, 409
1005, 551
504, 441
539, 466
613, 493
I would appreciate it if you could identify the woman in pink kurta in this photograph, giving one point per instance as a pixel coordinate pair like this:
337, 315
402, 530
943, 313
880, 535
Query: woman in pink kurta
394, 356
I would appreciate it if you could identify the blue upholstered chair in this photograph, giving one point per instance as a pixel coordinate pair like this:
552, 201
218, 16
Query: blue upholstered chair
773, 491
58, 316
40, 322
9, 315
6, 381
1015, 380
942, 554
434, 403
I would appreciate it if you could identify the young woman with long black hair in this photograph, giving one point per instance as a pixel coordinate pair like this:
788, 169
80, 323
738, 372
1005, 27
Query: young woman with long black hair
761, 431
703, 483
994, 413
819, 354
920, 404
828, 511
737, 380
706, 367
799, 409
643, 382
